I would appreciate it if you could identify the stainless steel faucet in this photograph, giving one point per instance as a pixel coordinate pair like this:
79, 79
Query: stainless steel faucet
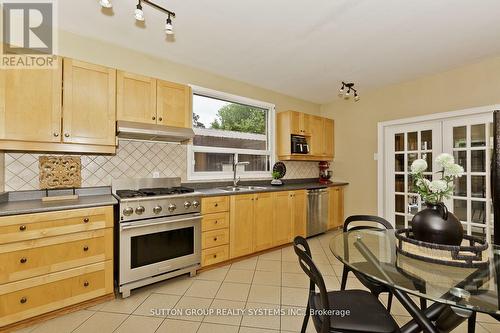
235, 166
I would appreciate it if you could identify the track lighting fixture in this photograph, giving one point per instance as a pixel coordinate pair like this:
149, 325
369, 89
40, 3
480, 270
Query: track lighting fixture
139, 13
347, 94
105, 3
169, 29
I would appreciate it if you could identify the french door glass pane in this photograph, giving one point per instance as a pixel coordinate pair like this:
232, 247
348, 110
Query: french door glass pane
412, 141
399, 142
399, 163
460, 137
461, 158
460, 209
478, 160
478, 211
411, 185
460, 187
428, 158
426, 140
478, 135
399, 183
411, 157
399, 203
478, 186
413, 204
400, 221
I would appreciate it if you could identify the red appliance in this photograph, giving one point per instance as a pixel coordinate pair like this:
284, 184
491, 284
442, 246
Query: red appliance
324, 173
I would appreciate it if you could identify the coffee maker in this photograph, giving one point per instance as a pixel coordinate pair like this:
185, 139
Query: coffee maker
324, 173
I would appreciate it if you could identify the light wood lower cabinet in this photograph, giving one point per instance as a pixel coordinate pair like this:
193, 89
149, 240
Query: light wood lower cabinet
241, 223
53, 260
283, 218
336, 207
299, 204
263, 222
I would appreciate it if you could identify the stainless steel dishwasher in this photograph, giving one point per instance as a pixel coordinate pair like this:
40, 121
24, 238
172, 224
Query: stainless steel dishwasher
317, 211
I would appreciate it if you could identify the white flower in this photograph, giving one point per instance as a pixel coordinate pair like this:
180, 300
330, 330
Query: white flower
438, 186
444, 160
453, 170
424, 182
418, 166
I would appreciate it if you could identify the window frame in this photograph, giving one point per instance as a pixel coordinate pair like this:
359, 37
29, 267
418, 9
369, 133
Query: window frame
221, 175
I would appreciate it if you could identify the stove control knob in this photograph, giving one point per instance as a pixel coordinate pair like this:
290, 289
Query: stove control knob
157, 209
128, 211
171, 208
139, 210
196, 204
187, 204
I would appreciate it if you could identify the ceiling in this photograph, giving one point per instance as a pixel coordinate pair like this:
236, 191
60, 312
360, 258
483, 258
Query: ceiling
301, 50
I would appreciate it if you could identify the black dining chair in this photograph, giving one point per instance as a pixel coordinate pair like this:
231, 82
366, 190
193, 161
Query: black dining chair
374, 222
329, 308
364, 222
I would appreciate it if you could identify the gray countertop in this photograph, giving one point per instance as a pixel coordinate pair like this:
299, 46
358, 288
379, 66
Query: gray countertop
25, 202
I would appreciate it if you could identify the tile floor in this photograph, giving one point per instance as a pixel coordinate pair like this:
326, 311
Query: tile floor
272, 281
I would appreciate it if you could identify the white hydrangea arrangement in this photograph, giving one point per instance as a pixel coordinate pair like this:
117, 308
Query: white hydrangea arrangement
437, 190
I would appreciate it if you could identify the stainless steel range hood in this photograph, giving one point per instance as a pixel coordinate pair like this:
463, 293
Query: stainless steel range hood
152, 132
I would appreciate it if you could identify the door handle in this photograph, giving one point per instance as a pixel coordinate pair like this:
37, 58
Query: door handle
143, 225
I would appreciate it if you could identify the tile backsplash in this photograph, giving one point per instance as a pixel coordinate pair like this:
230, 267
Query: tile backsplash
133, 159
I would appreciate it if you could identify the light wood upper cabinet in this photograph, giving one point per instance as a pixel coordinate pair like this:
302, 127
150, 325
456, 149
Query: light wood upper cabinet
328, 138
299, 202
173, 106
263, 222
30, 104
318, 132
89, 112
336, 207
135, 98
283, 223
241, 225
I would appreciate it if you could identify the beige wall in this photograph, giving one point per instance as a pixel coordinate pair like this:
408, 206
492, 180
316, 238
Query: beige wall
102, 53
356, 123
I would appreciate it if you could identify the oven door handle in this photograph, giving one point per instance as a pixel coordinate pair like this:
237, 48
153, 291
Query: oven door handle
135, 226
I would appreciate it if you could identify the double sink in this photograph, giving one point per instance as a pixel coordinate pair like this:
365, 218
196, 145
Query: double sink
242, 188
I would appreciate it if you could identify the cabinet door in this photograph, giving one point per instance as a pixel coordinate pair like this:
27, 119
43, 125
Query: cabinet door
336, 211
328, 138
263, 222
295, 119
317, 135
299, 213
282, 217
89, 112
306, 124
173, 104
241, 225
30, 104
135, 98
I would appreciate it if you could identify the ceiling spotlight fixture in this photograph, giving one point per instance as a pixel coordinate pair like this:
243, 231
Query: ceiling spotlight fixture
138, 13
169, 29
105, 3
347, 94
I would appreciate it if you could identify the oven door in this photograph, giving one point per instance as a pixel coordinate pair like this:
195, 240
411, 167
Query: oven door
156, 246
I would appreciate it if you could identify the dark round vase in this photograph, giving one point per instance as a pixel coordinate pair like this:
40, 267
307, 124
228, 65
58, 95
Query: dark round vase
436, 225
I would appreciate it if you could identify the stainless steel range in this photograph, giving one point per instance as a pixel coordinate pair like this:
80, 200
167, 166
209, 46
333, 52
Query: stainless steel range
159, 231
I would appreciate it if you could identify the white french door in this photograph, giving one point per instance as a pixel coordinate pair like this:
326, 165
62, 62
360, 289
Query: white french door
405, 144
469, 139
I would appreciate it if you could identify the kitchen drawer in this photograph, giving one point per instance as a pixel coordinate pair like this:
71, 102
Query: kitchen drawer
47, 255
24, 299
214, 238
214, 204
214, 255
31, 226
215, 221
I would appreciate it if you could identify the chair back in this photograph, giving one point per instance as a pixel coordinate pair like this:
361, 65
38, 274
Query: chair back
316, 280
371, 219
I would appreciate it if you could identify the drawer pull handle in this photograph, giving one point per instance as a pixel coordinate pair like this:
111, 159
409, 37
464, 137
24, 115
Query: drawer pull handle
160, 119
85, 248
86, 284
23, 260
215, 239
216, 205
216, 221
23, 300
153, 117
22, 227
215, 256
86, 220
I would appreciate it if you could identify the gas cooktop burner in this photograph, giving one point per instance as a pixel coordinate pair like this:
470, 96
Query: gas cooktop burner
149, 192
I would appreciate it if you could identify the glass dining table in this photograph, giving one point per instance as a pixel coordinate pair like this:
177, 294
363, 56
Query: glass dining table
456, 293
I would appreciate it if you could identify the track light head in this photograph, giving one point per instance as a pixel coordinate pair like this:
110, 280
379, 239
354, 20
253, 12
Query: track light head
138, 13
356, 97
347, 95
105, 3
169, 29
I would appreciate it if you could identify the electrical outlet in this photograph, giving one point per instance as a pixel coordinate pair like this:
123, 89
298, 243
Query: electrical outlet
156, 174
